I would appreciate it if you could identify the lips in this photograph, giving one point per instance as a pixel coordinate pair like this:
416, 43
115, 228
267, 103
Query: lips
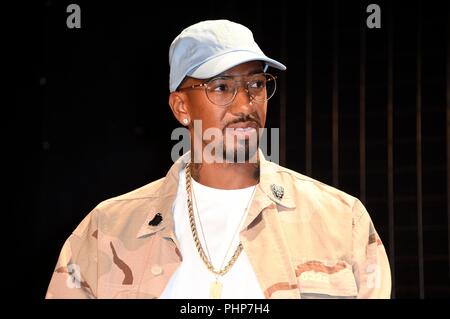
243, 130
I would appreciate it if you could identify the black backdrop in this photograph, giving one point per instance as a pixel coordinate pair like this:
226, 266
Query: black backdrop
366, 110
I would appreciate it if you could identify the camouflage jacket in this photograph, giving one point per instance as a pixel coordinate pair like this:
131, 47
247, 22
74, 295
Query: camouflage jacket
304, 239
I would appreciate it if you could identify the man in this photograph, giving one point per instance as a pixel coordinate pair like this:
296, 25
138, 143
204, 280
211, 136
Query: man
216, 226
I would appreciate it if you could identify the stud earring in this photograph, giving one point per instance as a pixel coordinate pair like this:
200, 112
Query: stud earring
185, 121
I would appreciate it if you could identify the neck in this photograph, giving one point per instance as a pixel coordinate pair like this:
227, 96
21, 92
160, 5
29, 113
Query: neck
226, 176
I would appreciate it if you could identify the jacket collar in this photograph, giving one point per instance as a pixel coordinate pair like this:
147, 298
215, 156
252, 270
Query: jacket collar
270, 177
163, 201
264, 196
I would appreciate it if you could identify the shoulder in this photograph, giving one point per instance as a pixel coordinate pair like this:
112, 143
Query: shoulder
317, 196
122, 209
327, 218
149, 190
310, 186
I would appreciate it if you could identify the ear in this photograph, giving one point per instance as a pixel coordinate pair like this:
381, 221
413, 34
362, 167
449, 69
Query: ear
180, 107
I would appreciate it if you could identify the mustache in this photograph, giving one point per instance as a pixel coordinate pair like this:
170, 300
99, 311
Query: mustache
245, 118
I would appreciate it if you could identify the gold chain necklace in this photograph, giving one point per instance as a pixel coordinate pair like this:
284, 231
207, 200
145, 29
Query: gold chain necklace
216, 286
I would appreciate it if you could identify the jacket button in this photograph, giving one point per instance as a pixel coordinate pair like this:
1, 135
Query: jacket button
157, 270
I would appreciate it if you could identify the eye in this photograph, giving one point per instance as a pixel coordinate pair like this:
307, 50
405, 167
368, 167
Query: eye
220, 86
257, 84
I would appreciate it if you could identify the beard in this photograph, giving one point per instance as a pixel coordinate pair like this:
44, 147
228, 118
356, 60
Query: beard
241, 150
230, 144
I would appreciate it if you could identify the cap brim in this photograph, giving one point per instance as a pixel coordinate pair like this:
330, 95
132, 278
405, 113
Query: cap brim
226, 61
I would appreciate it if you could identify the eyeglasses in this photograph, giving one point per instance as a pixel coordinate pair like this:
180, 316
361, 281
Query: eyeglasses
222, 90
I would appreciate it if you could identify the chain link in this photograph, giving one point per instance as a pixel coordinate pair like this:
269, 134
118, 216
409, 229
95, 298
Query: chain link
200, 250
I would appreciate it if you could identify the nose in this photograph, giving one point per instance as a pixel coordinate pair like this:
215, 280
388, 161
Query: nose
243, 102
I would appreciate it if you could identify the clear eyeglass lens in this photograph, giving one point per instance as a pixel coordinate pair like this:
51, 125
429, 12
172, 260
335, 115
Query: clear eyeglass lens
221, 91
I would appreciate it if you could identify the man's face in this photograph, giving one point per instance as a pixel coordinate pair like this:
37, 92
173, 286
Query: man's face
238, 121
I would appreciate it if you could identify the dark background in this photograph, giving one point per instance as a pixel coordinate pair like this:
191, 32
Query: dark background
366, 110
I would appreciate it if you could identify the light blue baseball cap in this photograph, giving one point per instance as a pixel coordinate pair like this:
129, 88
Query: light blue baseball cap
211, 47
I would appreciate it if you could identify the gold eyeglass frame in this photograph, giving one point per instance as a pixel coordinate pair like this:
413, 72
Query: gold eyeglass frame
207, 82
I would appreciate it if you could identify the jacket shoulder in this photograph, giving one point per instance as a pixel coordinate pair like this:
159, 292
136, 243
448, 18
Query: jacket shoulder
149, 190
124, 205
128, 210
313, 189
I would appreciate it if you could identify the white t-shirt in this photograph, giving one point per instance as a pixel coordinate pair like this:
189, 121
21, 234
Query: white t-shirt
221, 212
